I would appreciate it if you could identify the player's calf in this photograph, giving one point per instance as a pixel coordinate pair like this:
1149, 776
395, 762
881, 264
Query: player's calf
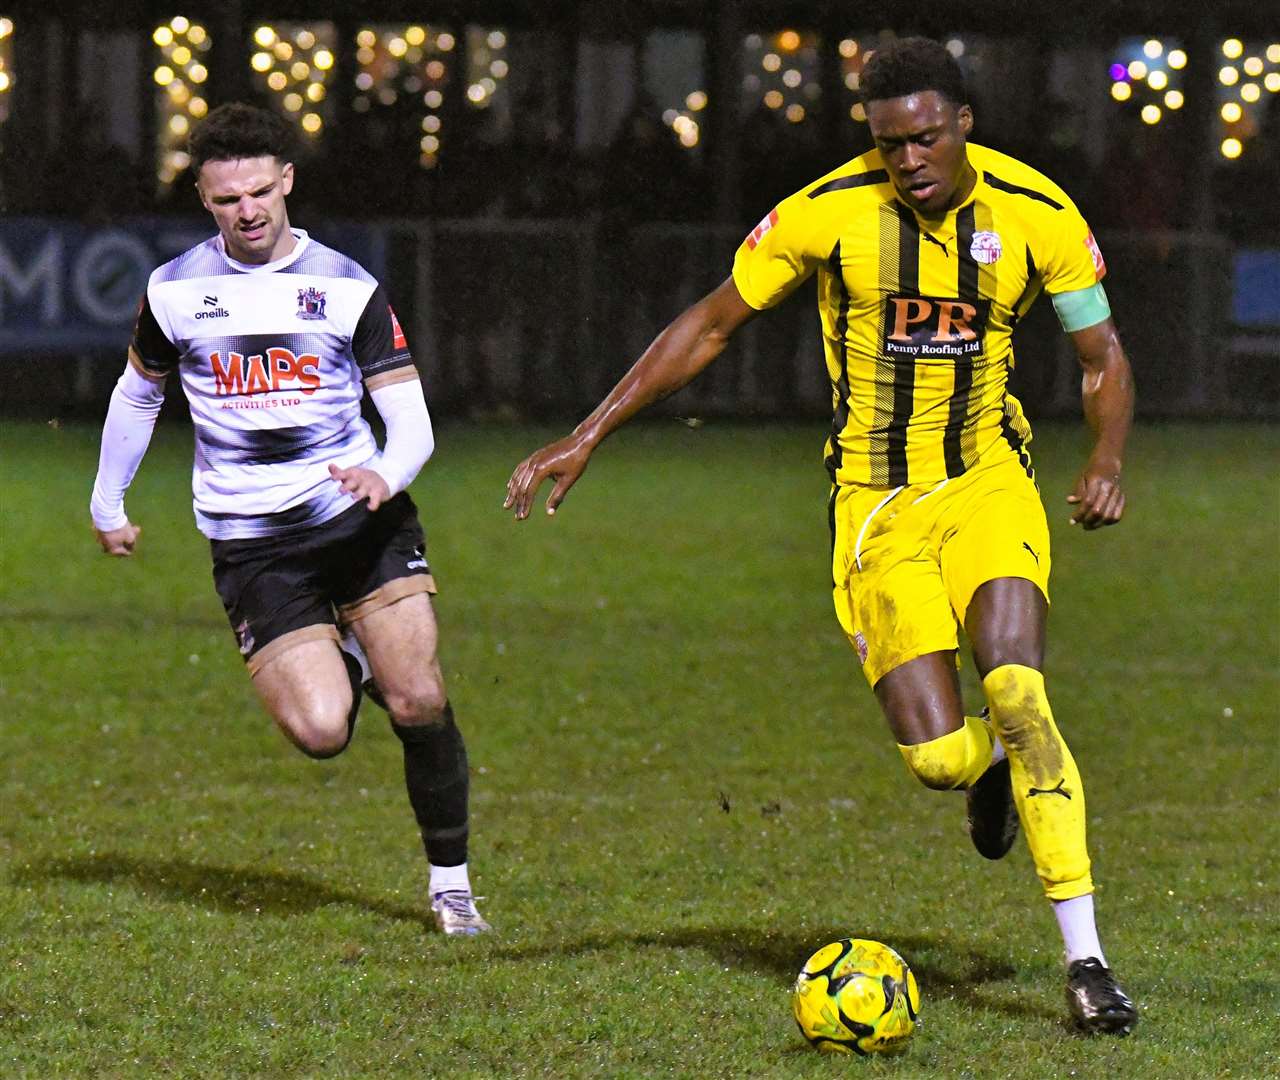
1045, 781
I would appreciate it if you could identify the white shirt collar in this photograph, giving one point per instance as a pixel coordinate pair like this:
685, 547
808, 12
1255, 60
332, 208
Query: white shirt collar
301, 241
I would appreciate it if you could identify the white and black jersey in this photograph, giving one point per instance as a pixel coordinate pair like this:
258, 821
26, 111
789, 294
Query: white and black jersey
273, 360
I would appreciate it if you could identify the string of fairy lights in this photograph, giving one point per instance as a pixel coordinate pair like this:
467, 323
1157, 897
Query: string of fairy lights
781, 73
295, 62
179, 76
416, 65
1149, 73
6, 65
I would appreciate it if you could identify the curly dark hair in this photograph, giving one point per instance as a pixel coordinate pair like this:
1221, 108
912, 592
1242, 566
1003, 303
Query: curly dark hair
910, 66
236, 130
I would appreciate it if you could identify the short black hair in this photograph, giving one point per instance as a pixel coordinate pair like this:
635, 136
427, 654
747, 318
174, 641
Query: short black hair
236, 130
911, 66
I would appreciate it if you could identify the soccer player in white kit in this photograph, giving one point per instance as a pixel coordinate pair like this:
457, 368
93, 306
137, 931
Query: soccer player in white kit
317, 549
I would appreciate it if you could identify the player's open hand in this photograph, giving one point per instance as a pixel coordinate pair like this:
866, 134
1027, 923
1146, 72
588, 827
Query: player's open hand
119, 542
362, 484
1098, 497
563, 461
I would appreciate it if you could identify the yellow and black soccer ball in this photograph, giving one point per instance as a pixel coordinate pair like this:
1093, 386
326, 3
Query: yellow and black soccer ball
856, 997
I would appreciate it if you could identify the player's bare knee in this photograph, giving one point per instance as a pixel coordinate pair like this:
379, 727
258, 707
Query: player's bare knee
420, 703
319, 735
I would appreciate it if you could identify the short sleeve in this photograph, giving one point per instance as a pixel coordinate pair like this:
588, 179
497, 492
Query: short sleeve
150, 349
1069, 257
780, 253
379, 344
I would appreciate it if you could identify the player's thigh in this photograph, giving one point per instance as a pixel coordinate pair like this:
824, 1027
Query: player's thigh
1005, 624
889, 593
306, 689
382, 588
921, 698
400, 640
997, 530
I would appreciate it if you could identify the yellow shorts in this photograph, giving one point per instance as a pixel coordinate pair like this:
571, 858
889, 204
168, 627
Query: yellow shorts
907, 561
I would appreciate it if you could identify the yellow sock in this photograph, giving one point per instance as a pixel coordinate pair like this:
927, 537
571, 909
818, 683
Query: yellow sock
1046, 783
955, 760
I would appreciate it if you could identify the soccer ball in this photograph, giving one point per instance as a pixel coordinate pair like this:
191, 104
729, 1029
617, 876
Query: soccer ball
856, 996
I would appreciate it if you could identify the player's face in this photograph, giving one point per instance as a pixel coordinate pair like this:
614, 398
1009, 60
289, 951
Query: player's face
921, 138
246, 198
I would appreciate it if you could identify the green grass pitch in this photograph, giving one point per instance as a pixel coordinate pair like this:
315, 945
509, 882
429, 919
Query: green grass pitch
681, 785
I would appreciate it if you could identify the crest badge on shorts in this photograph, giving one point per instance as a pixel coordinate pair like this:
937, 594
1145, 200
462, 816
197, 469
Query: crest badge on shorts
985, 247
860, 643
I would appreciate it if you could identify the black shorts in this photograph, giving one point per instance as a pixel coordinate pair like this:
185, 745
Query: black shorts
279, 591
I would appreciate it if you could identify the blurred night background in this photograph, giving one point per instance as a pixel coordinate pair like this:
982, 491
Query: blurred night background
541, 186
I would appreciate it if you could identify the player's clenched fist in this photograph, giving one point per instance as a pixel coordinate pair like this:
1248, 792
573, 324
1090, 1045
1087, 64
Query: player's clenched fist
119, 542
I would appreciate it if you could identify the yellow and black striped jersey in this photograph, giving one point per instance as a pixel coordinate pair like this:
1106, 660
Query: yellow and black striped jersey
917, 315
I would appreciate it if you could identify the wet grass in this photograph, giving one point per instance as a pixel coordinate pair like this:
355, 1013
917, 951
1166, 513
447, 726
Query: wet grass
681, 785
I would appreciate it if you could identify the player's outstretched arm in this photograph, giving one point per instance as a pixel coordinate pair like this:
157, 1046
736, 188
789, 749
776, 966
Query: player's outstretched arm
1107, 391
131, 418
695, 338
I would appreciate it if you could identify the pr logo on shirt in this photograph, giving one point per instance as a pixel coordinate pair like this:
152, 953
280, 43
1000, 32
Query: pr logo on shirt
916, 326
757, 234
1095, 253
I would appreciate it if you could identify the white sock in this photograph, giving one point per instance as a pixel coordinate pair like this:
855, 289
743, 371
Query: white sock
997, 751
1079, 931
449, 879
997, 747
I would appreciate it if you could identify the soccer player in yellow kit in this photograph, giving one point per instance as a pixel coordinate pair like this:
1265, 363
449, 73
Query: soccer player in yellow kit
927, 250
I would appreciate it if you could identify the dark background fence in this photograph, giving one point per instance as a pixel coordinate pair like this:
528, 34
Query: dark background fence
536, 319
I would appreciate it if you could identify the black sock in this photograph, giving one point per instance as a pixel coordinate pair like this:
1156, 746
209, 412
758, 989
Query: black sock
435, 772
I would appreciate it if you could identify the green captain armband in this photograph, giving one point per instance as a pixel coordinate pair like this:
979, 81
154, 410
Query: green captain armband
1082, 308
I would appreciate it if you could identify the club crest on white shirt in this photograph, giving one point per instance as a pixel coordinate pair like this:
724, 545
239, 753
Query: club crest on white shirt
310, 303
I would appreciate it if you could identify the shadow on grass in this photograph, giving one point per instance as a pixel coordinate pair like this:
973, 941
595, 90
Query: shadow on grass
222, 888
959, 973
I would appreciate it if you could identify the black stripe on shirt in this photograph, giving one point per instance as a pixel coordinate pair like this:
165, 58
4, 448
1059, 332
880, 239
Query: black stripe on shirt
1028, 294
841, 416
1015, 189
1015, 443
904, 364
282, 519
967, 290
857, 180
